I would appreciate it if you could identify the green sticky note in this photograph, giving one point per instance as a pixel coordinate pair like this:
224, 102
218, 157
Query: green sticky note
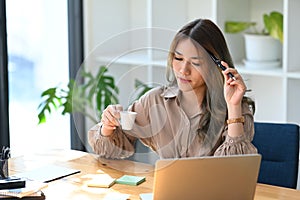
130, 180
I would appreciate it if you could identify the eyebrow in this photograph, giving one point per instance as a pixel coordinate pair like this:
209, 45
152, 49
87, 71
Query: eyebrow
193, 57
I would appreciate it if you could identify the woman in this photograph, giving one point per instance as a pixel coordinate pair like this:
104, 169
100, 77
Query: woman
202, 111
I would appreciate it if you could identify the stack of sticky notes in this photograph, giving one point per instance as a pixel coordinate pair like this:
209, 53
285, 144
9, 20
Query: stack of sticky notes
130, 180
106, 181
100, 180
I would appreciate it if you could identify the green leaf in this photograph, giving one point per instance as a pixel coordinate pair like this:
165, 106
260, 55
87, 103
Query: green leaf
49, 92
52, 101
67, 108
42, 118
79, 97
274, 25
236, 27
142, 87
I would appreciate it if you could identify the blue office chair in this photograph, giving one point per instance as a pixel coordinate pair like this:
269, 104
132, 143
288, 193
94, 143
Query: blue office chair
279, 146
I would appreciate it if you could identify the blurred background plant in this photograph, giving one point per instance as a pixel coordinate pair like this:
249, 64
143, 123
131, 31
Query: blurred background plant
99, 89
273, 26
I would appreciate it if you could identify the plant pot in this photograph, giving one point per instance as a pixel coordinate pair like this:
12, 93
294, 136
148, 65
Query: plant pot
263, 49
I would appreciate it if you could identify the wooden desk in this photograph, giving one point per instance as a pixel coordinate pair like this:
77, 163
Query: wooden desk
71, 187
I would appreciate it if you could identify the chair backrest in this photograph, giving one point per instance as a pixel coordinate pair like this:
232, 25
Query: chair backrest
279, 146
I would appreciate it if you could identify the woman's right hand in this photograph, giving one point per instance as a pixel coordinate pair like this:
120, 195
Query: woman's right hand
110, 119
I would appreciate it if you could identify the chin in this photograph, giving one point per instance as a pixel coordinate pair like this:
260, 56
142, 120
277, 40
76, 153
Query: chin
185, 87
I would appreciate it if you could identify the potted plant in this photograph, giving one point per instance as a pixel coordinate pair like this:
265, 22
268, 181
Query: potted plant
99, 90
80, 98
263, 48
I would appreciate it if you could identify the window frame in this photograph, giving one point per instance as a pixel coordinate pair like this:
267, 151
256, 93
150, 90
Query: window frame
75, 35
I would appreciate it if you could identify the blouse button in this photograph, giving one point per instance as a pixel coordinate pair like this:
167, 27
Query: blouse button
231, 141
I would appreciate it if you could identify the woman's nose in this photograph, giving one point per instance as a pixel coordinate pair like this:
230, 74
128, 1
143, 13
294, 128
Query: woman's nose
185, 68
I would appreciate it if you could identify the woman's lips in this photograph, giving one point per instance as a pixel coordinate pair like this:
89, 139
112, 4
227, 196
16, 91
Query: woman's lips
183, 80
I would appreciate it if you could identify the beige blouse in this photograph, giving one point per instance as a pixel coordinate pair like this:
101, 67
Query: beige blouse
162, 125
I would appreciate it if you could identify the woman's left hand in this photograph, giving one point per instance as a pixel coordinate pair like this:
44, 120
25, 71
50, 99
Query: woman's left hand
234, 90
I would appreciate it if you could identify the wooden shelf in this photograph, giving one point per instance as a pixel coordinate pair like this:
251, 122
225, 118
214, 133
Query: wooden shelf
275, 72
136, 58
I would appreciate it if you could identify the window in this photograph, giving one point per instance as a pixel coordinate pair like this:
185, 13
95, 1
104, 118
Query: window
37, 43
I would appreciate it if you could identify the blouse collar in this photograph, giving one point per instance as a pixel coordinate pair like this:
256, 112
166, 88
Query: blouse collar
170, 92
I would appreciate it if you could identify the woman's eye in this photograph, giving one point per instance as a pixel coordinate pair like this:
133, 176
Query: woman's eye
177, 58
196, 64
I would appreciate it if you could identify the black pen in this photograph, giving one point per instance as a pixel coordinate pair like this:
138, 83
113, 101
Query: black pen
5, 153
218, 63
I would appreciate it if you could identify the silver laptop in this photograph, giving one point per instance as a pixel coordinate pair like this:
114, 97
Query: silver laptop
207, 178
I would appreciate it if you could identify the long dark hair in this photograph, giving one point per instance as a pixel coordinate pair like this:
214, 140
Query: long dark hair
206, 35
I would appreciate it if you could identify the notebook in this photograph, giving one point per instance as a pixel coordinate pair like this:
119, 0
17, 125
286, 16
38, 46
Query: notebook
48, 173
30, 188
209, 178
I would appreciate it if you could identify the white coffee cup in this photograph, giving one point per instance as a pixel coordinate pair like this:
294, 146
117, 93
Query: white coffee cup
127, 119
